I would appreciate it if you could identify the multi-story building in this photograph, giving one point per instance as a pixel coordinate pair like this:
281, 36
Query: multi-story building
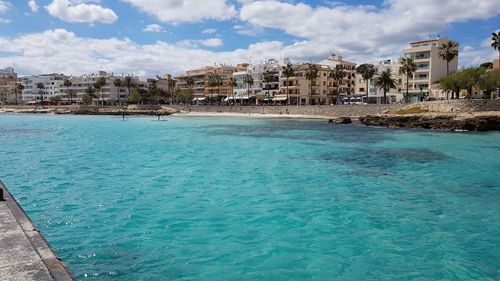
108, 93
202, 89
325, 89
8, 86
52, 84
430, 67
260, 90
376, 95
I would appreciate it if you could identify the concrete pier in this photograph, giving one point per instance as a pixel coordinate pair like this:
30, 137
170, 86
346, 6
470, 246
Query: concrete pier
24, 253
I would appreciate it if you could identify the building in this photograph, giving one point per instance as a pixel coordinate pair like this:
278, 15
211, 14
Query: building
52, 85
202, 89
430, 67
376, 95
496, 64
8, 86
341, 91
165, 84
325, 89
109, 93
260, 90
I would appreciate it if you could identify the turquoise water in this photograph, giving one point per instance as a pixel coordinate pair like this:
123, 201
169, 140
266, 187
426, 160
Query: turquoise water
248, 199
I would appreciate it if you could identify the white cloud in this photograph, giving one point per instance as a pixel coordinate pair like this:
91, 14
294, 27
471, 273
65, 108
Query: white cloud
248, 29
153, 28
4, 6
62, 51
212, 42
33, 6
80, 12
176, 11
362, 33
4, 21
209, 31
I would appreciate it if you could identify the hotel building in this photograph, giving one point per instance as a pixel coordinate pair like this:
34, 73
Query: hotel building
430, 67
260, 90
52, 85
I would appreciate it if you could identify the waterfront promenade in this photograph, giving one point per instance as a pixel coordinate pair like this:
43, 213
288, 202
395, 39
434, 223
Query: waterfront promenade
24, 253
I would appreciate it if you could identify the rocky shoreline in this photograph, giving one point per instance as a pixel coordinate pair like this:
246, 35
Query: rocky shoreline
483, 121
157, 111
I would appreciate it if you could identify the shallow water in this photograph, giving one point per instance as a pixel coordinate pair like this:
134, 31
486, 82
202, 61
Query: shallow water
253, 199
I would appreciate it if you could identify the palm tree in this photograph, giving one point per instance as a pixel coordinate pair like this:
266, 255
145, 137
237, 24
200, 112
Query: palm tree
128, 83
99, 85
19, 89
288, 72
385, 82
71, 94
408, 67
248, 80
448, 52
90, 91
269, 77
495, 38
40, 88
67, 83
339, 74
495, 42
311, 75
190, 84
118, 84
232, 84
367, 71
171, 88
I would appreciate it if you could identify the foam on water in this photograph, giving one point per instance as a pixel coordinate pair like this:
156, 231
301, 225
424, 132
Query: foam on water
240, 199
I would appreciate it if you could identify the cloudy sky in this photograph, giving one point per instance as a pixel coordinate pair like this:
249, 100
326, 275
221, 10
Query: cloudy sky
149, 37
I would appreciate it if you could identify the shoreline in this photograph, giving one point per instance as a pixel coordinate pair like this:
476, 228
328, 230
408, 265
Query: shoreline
251, 115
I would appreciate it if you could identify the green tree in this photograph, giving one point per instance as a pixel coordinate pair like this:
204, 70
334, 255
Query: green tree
248, 80
89, 96
288, 72
128, 82
171, 88
495, 42
367, 71
232, 84
41, 91
269, 77
19, 90
489, 82
67, 83
312, 73
448, 52
339, 74
118, 84
385, 82
55, 99
451, 84
71, 94
99, 86
190, 84
408, 67
184, 96
469, 79
135, 97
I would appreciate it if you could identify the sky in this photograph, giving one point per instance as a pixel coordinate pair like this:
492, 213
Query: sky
156, 37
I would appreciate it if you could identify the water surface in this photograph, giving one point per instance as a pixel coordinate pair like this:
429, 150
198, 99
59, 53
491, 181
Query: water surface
198, 198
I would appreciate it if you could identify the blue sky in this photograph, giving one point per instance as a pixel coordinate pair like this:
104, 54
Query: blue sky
148, 37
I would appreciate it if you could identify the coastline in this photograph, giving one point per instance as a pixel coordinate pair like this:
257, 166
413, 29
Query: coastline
251, 115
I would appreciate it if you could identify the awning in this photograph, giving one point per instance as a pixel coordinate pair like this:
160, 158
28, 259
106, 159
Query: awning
280, 98
199, 99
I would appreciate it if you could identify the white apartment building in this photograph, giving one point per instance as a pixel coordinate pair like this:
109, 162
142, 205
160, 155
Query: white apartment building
260, 90
376, 95
52, 84
430, 67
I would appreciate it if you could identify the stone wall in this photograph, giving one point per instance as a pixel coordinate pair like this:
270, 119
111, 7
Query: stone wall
458, 105
321, 110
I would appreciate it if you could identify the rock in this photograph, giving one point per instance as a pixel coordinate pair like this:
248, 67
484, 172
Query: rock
437, 122
340, 120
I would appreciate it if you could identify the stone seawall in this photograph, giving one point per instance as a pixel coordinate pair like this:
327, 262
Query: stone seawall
458, 105
318, 110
